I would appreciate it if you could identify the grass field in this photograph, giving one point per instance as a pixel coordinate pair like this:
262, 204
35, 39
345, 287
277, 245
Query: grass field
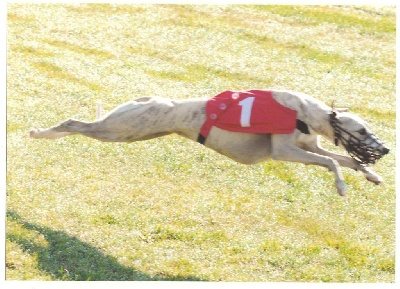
169, 209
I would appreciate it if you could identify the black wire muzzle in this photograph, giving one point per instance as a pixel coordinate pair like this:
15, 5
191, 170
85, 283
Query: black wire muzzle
366, 152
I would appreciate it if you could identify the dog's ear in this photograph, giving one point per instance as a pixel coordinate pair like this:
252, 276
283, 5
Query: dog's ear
338, 109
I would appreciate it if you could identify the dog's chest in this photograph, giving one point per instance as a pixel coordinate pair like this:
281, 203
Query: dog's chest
253, 111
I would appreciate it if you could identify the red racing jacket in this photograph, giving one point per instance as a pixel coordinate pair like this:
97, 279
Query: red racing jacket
251, 111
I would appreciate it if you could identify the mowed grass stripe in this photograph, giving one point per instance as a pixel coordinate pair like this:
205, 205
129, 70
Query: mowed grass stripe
53, 71
91, 52
232, 25
368, 21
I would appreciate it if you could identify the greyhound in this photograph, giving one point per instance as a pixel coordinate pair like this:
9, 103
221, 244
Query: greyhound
150, 117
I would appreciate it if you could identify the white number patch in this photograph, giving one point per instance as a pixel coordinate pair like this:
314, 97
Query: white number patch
245, 115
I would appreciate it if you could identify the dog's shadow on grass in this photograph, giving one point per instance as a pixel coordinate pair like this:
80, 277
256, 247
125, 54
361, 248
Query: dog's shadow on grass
65, 257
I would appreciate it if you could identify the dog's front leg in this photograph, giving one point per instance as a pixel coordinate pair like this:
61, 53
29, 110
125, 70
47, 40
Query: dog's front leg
312, 144
371, 176
349, 162
284, 149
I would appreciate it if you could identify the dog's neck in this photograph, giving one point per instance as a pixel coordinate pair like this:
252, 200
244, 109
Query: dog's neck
319, 122
311, 111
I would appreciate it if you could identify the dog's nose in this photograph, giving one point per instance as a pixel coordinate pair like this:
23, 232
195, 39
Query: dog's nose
385, 150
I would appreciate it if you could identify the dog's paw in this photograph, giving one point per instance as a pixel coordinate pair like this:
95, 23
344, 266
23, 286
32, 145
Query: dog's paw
373, 177
376, 179
341, 188
33, 133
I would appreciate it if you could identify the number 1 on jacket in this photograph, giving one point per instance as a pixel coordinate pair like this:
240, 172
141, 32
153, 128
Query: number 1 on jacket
245, 115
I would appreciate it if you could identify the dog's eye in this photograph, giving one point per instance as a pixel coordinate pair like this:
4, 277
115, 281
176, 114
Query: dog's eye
362, 131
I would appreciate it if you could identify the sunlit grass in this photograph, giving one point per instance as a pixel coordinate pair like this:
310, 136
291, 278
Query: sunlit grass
169, 209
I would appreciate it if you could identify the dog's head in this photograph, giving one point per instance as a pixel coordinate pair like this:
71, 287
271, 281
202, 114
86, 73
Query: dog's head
355, 135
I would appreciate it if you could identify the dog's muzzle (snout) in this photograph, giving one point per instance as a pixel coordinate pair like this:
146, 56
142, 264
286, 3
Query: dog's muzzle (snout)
365, 151
385, 151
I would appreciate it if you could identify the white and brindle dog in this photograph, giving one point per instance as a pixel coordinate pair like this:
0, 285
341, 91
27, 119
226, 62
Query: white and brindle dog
151, 117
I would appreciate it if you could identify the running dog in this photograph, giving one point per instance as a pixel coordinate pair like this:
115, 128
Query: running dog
246, 126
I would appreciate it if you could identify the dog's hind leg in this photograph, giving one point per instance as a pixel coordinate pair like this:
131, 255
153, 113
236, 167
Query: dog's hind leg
142, 119
100, 130
51, 133
69, 127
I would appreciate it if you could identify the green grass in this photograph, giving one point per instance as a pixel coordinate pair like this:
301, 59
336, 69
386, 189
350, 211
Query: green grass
169, 209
